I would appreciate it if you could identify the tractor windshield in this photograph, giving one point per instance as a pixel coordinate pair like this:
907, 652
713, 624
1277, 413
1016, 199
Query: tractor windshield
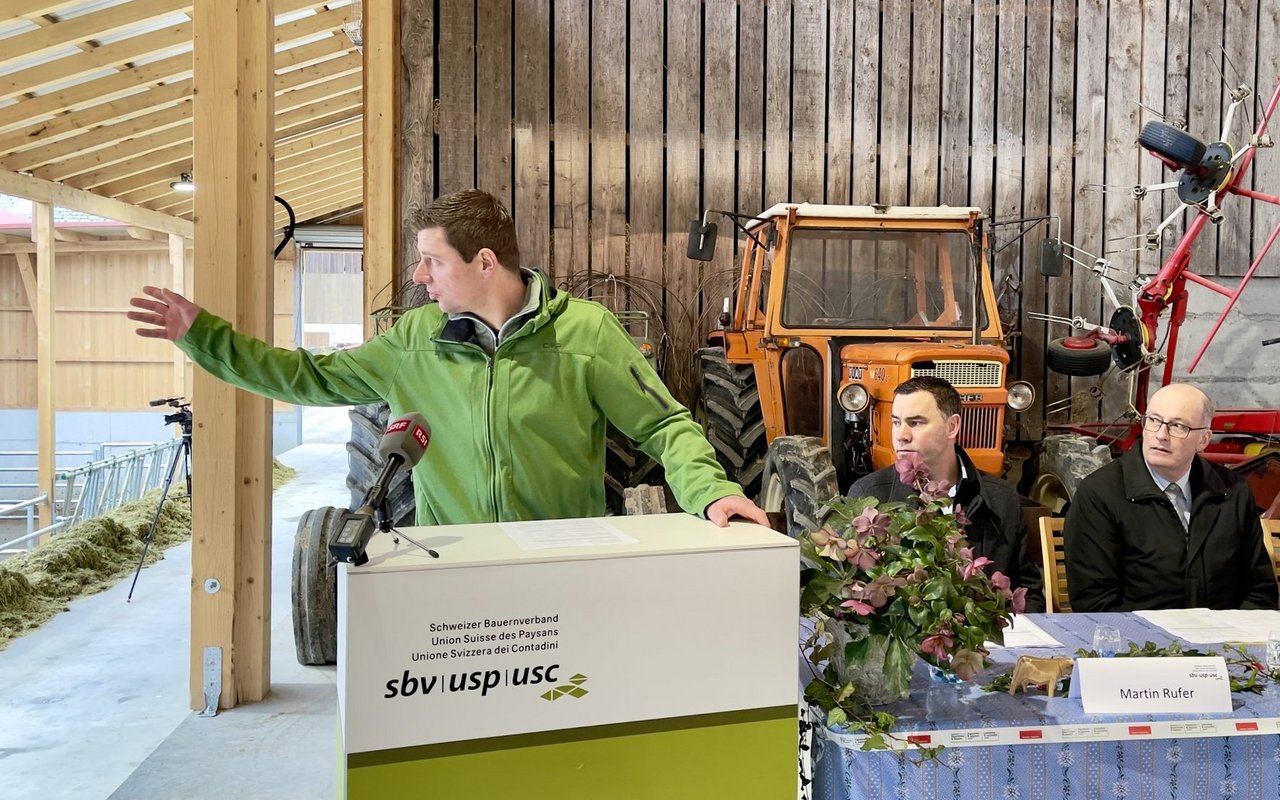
841, 278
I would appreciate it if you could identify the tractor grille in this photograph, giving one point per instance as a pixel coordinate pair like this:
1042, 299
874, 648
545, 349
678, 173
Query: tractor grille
979, 427
965, 373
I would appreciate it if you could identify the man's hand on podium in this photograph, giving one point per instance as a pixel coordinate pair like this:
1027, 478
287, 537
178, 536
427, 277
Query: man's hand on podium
724, 509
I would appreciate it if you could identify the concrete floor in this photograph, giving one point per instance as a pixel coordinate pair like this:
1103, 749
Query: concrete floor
93, 705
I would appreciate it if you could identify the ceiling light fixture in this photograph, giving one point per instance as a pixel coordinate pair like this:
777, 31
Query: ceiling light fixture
183, 183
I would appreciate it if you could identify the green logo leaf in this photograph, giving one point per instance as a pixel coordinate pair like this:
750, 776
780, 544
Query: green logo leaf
573, 689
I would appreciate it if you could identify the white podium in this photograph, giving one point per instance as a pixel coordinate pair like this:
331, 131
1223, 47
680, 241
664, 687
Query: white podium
630, 657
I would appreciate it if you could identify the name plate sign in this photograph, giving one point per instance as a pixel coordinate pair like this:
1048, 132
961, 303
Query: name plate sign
1168, 685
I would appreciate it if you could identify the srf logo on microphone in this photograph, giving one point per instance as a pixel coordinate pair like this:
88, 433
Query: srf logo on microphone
398, 425
420, 434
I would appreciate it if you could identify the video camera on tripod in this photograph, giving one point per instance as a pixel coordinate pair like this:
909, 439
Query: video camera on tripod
180, 417
181, 454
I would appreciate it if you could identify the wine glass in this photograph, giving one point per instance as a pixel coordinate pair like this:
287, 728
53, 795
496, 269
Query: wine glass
1106, 641
1273, 651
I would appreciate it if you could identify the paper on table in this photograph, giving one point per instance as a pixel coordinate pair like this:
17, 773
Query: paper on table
1022, 632
546, 534
1205, 626
1257, 623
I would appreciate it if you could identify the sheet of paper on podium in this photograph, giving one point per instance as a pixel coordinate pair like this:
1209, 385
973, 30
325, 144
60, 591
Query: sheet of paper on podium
546, 534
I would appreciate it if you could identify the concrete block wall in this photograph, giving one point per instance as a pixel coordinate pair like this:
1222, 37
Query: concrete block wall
1236, 371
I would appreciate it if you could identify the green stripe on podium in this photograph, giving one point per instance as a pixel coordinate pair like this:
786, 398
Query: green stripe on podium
740, 754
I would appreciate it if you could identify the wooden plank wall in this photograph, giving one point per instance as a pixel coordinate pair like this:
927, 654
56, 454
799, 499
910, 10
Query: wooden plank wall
102, 365
607, 127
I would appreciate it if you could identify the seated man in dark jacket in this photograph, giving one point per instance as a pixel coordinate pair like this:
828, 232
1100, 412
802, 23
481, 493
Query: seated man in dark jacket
1161, 527
926, 421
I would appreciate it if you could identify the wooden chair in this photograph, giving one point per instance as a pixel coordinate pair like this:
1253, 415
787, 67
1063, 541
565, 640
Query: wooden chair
1054, 565
1271, 527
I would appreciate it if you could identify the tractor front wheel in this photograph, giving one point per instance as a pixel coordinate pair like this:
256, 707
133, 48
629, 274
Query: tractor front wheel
798, 483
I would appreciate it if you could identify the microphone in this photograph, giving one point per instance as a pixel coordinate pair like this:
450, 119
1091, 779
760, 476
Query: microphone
403, 444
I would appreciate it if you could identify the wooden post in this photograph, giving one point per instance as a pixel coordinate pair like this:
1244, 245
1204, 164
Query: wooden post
382, 224
46, 402
231, 460
178, 266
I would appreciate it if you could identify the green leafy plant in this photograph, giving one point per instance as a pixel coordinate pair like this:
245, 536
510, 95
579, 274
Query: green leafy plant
901, 579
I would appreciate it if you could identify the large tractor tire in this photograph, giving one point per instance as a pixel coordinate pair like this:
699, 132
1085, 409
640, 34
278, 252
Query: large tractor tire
799, 483
626, 467
315, 588
729, 409
1061, 461
368, 423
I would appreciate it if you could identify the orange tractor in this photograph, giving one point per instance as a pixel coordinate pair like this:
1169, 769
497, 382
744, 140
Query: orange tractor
834, 306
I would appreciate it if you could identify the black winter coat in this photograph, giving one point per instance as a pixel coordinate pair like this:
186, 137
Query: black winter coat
997, 529
1126, 549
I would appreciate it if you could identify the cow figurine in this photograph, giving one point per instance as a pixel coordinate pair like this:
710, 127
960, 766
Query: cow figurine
1046, 672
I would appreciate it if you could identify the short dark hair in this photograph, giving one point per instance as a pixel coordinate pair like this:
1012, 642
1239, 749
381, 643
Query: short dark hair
944, 394
473, 219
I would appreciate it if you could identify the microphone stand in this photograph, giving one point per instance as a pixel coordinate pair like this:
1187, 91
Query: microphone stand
382, 518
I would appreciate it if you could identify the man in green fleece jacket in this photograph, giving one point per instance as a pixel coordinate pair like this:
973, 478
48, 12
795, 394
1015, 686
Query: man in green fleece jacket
516, 378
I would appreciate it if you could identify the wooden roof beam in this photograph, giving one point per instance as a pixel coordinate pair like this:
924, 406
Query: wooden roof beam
29, 9
315, 193
157, 169
309, 211
156, 192
340, 216
120, 53
290, 177
46, 131
107, 56
57, 194
321, 157
131, 149
340, 61
334, 111
102, 136
135, 81
88, 26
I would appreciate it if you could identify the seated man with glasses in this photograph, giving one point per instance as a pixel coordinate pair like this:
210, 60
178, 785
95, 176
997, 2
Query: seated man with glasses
1161, 527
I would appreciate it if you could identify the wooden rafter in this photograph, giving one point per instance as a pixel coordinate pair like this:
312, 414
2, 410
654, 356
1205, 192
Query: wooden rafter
343, 132
89, 26
114, 118
119, 53
136, 83
316, 166
67, 197
130, 156
157, 194
144, 124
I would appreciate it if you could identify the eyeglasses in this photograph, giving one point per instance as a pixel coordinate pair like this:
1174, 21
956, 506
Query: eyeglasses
1176, 429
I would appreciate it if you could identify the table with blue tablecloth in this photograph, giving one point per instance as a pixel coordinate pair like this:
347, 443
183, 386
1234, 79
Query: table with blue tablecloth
1034, 747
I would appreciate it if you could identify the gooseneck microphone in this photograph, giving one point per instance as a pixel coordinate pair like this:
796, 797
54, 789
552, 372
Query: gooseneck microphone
402, 446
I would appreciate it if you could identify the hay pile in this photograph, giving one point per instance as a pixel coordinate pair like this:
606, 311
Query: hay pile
93, 556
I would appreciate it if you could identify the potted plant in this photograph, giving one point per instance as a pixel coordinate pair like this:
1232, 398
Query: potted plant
885, 584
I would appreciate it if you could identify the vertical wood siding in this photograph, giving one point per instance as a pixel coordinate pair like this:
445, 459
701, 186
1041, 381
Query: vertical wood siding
609, 126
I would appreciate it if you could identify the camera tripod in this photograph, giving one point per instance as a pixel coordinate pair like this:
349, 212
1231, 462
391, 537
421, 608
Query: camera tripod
182, 452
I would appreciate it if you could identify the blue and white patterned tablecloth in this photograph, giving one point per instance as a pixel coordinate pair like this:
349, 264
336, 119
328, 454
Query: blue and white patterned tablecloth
1046, 749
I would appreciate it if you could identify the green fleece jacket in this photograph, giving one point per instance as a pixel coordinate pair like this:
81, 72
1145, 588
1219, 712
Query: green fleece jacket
516, 436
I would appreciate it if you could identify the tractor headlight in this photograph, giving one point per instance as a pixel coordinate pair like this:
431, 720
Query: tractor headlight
1021, 395
854, 398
